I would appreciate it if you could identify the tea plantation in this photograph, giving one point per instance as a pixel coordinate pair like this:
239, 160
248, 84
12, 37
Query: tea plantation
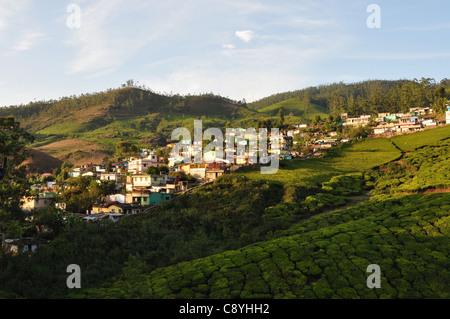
323, 257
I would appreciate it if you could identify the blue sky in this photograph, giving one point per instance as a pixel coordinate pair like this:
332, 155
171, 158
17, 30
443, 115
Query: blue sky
238, 49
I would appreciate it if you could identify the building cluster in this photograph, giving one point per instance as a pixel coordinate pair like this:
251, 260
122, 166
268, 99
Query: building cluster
137, 189
398, 123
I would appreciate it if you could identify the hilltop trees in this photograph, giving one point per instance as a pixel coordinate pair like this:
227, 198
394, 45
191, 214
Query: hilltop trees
367, 97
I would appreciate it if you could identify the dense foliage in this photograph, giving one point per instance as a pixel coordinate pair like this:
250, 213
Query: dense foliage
327, 258
13, 181
368, 97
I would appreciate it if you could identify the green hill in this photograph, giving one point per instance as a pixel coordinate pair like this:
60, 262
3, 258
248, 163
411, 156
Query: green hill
133, 114
296, 107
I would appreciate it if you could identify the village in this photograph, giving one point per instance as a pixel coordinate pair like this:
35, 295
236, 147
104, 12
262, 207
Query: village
145, 181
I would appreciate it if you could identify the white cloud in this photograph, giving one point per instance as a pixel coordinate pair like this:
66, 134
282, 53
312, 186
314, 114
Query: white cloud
245, 36
110, 33
228, 46
8, 10
28, 40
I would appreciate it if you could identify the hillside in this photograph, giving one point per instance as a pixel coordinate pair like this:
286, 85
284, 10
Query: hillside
308, 234
407, 237
296, 107
366, 97
326, 256
92, 124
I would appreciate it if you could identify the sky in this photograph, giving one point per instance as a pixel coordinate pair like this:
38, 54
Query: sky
238, 49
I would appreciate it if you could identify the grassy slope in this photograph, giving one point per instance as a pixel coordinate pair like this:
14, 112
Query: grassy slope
297, 108
349, 158
103, 121
411, 142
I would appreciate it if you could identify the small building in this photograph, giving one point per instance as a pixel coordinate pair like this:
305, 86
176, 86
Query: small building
140, 165
37, 202
116, 207
121, 198
213, 174
407, 127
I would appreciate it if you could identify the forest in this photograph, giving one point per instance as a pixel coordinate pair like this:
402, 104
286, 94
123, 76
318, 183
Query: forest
368, 97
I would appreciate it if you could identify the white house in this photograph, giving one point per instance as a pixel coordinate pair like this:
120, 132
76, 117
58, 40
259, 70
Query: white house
140, 165
120, 198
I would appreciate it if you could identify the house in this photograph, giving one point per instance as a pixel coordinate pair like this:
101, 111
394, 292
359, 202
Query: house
198, 173
429, 122
37, 202
140, 165
89, 174
121, 198
404, 119
212, 174
421, 110
28, 244
355, 121
145, 197
145, 180
407, 127
116, 207
380, 129
76, 172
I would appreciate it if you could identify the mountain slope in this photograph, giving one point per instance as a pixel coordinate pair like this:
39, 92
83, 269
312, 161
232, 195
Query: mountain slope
131, 114
297, 107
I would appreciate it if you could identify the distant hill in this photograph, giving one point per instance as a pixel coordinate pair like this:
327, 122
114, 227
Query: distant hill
103, 119
296, 107
364, 97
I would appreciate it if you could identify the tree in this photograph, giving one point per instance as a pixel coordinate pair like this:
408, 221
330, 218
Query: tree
317, 119
152, 170
108, 167
281, 116
14, 184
